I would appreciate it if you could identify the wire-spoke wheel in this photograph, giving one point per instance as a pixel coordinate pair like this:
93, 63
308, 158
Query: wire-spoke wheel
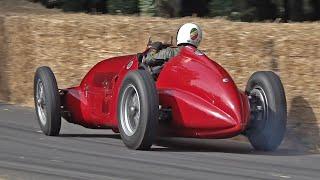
138, 109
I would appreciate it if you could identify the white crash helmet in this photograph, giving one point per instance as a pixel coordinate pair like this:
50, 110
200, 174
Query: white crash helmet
189, 33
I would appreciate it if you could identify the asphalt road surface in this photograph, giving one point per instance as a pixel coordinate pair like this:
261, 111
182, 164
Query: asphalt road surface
79, 153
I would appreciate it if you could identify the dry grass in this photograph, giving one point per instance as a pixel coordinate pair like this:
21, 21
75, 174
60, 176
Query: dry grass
70, 44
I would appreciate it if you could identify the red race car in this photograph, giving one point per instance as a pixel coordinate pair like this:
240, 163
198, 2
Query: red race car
188, 96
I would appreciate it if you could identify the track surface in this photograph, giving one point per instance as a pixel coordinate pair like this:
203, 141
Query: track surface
79, 153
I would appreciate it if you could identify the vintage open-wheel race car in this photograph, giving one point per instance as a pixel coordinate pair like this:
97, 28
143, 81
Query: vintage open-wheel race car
188, 96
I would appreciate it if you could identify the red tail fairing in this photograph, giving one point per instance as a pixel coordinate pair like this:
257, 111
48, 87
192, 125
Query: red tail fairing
204, 99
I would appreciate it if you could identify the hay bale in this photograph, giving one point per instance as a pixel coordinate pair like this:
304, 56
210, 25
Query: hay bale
4, 92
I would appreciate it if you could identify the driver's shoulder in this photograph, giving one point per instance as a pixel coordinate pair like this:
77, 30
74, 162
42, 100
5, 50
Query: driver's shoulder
173, 48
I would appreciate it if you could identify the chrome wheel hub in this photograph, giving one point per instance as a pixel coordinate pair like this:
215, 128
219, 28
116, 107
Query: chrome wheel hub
41, 103
130, 110
258, 104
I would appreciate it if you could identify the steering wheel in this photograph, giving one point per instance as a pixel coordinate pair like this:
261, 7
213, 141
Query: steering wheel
154, 68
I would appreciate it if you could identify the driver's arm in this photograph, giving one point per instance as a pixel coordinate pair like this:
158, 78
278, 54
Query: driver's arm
164, 54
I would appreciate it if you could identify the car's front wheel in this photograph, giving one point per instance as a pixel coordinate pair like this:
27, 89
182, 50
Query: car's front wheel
138, 109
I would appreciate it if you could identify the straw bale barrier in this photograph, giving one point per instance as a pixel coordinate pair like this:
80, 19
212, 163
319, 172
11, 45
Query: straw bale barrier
71, 44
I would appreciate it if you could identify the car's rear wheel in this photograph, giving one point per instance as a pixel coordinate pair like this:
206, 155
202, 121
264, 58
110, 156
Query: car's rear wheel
268, 111
47, 101
138, 110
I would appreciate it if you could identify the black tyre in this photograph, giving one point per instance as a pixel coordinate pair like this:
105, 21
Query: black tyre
138, 110
47, 101
268, 111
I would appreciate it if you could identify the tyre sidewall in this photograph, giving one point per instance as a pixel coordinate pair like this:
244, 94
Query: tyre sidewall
148, 116
269, 134
52, 108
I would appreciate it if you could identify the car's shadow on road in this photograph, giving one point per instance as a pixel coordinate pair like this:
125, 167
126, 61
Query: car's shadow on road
164, 144
114, 136
218, 145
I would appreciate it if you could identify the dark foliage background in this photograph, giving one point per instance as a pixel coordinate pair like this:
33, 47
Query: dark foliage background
240, 10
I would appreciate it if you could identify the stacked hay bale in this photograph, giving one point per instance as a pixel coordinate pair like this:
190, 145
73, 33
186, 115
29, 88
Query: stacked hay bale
4, 93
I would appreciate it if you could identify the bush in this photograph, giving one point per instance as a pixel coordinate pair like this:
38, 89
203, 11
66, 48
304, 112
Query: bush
194, 7
168, 8
122, 6
220, 7
96, 6
73, 5
147, 7
84, 5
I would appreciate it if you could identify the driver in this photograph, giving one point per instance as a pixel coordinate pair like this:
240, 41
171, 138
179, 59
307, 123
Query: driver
188, 34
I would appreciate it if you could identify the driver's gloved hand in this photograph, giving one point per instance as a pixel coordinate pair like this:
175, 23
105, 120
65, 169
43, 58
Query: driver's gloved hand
155, 62
157, 46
